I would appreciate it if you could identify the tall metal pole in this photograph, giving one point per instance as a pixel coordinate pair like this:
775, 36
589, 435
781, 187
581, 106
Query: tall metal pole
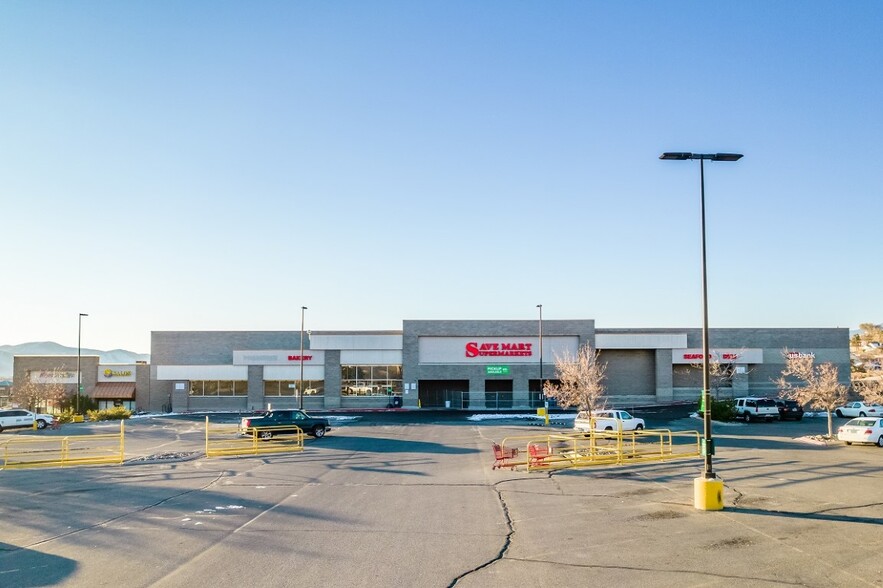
707, 490
708, 450
706, 399
79, 340
542, 395
301, 384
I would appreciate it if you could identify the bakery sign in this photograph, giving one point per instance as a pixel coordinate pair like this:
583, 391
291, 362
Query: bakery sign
279, 357
694, 356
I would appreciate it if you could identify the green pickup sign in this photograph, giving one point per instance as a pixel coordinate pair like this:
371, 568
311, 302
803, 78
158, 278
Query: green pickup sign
497, 370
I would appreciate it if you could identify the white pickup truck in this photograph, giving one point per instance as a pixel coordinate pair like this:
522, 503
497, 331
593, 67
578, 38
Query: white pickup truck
607, 420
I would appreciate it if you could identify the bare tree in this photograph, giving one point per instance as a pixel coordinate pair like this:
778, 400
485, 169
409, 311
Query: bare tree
870, 332
871, 389
817, 386
33, 395
581, 380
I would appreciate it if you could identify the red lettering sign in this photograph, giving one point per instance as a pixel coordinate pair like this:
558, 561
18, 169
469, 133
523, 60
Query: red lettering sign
297, 357
474, 349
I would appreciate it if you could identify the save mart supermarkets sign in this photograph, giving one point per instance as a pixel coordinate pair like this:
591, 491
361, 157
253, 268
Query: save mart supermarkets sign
496, 370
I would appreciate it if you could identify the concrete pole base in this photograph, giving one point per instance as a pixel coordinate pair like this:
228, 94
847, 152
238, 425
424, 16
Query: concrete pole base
708, 493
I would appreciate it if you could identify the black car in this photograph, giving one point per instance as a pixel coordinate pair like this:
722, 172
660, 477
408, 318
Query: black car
278, 420
789, 409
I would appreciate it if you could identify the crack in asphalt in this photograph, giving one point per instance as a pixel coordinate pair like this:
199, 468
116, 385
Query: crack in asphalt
506, 542
659, 570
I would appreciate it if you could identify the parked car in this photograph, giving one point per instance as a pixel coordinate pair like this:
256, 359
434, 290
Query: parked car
862, 430
11, 418
607, 420
789, 409
752, 409
859, 409
280, 419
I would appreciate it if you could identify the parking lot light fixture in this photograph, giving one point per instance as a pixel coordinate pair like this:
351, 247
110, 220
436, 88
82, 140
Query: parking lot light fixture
301, 384
79, 352
708, 441
542, 393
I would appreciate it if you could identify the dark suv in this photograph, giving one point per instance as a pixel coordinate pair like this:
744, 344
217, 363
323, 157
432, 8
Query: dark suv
789, 409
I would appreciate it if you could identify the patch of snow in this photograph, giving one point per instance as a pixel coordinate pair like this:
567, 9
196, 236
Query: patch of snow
526, 416
815, 440
698, 417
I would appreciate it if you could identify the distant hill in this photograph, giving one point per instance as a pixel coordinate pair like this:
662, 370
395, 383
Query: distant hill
50, 348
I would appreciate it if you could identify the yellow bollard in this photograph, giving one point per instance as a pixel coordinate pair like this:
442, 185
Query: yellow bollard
708, 493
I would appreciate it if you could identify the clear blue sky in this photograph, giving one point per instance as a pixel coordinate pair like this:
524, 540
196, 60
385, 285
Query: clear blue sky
172, 165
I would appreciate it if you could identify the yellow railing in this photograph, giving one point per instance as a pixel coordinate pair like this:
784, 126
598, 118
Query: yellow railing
28, 451
568, 450
226, 440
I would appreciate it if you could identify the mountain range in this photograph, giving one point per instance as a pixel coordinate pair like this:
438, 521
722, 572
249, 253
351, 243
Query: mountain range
50, 348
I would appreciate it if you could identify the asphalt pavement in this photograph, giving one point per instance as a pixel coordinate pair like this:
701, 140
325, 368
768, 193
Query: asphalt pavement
410, 499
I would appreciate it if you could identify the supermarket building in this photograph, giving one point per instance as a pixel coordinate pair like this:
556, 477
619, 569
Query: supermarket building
461, 364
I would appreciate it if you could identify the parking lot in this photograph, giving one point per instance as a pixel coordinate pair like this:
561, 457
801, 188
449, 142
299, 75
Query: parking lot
410, 499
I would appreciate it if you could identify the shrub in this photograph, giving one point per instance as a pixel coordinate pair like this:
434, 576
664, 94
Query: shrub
721, 410
109, 414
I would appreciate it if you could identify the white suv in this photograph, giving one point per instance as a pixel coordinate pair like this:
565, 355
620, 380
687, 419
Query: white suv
751, 408
11, 418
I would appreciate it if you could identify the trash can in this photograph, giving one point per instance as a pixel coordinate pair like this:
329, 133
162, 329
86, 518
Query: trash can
447, 404
397, 401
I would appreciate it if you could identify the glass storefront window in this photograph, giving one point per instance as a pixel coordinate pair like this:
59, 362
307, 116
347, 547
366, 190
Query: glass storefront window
290, 387
371, 380
218, 388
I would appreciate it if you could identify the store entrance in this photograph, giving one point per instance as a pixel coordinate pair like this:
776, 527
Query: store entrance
498, 394
443, 393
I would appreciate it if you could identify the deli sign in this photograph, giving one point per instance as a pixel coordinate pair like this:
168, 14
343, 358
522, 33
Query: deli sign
694, 356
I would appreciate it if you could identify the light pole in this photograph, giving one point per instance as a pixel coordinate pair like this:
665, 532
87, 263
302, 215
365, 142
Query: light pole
301, 393
709, 483
542, 395
79, 340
